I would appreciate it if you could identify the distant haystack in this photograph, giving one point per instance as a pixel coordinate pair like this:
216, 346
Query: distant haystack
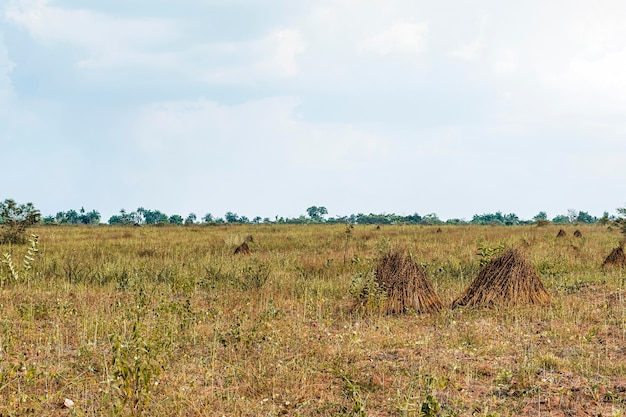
577, 233
505, 281
242, 249
616, 258
561, 233
406, 286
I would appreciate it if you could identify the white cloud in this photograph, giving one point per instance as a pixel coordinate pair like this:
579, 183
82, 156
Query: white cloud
106, 40
6, 66
400, 38
156, 45
262, 130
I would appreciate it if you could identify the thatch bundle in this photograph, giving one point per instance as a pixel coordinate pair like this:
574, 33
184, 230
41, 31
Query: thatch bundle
507, 280
577, 233
616, 258
406, 285
561, 233
242, 249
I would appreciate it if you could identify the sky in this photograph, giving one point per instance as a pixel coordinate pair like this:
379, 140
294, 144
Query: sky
268, 107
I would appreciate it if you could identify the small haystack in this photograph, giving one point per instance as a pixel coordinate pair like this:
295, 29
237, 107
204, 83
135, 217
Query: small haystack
616, 258
507, 280
438, 230
561, 233
577, 233
406, 285
242, 249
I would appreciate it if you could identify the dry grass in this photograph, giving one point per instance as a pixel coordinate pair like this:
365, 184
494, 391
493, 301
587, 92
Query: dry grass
165, 321
508, 280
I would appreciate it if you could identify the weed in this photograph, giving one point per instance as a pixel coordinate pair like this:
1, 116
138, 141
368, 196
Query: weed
134, 370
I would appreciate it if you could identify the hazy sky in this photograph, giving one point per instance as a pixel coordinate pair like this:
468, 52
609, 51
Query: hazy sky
267, 107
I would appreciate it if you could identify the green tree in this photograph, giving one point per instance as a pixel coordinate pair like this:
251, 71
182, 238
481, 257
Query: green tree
231, 217
584, 217
541, 216
176, 219
317, 213
191, 219
561, 219
125, 218
152, 216
15, 219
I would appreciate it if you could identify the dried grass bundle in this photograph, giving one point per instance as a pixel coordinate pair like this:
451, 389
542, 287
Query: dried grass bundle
242, 249
507, 280
406, 285
616, 258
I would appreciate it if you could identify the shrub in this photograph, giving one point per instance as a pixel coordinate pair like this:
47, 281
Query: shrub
15, 220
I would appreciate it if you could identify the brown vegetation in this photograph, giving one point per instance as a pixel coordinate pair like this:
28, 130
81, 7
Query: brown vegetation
242, 249
616, 258
406, 285
165, 321
507, 280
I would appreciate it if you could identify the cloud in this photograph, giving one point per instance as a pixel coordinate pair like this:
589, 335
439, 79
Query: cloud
400, 38
266, 129
105, 40
6, 66
157, 45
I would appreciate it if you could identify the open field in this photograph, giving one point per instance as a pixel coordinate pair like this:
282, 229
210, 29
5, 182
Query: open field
166, 321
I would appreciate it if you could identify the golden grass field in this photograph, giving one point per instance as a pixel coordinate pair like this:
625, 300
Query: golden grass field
166, 321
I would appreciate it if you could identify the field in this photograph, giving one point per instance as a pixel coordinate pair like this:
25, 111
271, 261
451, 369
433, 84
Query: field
166, 321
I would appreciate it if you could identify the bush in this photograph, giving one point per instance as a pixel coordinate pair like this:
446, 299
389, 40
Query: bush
15, 220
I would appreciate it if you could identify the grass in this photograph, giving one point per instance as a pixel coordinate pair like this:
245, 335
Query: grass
167, 321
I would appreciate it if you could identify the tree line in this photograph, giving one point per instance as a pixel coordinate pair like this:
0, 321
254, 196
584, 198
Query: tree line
316, 214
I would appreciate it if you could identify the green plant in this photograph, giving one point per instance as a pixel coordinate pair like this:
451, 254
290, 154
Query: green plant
134, 370
27, 262
369, 295
430, 406
15, 220
487, 253
353, 391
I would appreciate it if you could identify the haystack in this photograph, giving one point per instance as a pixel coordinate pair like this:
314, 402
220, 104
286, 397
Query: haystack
406, 285
616, 258
507, 280
577, 233
242, 249
561, 233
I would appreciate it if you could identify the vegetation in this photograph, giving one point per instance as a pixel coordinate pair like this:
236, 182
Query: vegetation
163, 321
15, 219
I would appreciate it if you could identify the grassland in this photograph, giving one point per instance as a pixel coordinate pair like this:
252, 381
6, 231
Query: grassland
166, 321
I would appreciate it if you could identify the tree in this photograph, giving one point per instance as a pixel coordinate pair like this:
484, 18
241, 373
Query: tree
231, 217
176, 219
16, 219
541, 216
125, 218
152, 216
584, 217
561, 219
208, 218
317, 213
191, 219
